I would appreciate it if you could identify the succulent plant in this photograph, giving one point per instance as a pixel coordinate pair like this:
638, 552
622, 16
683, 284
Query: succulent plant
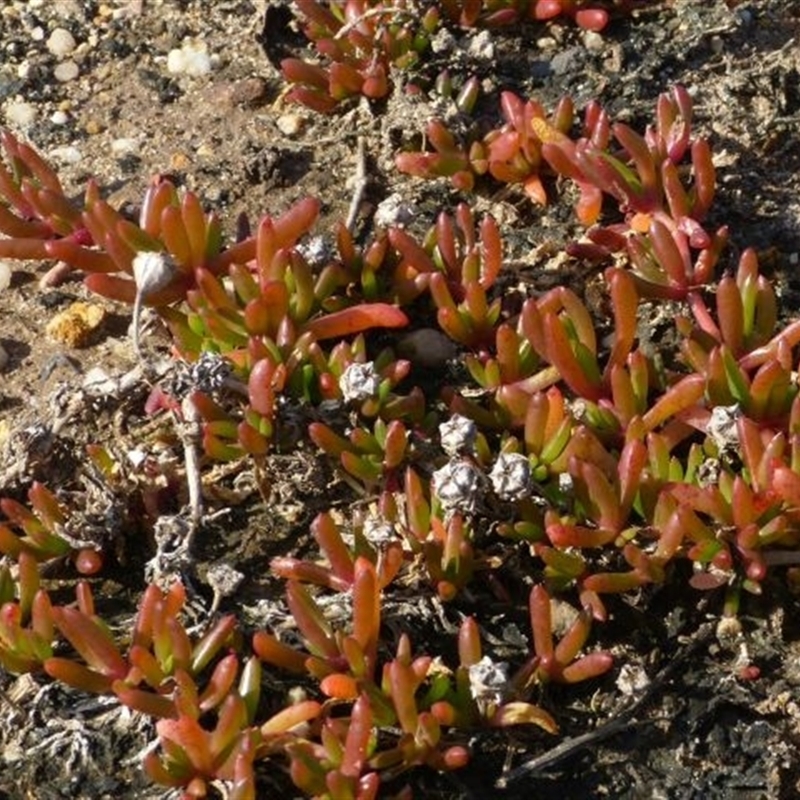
44, 532
564, 438
362, 41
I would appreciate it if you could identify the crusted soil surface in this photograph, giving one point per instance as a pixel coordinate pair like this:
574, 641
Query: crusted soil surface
699, 730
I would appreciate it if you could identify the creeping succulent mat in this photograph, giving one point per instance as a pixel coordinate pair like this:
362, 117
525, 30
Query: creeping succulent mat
399, 400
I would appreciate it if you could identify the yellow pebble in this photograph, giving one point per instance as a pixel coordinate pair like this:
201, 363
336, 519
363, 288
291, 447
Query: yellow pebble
76, 325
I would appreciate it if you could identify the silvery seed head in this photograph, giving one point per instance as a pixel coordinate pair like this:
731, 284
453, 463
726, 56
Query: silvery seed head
395, 210
210, 371
457, 485
511, 476
359, 382
152, 271
208, 374
458, 435
379, 531
316, 251
722, 428
488, 681
708, 472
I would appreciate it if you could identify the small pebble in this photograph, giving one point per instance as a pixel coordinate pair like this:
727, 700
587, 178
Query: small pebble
632, 680
76, 326
190, 59
66, 71
5, 274
394, 210
93, 127
125, 146
250, 92
179, 161
64, 9
61, 42
289, 124
615, 60
443, 41
68, 154
426, 348
593, 42
729, 629
20, 113
562, 616
246, 92
59, 118
566, 61
481, 46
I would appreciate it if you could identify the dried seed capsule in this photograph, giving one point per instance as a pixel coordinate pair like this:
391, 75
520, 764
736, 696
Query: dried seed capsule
488, 681
359, 382
457, 485
511, 476
152, 272
722, 427
458, 435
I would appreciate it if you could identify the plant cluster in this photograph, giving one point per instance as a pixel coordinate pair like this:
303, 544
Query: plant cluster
42, 532
362, 44
210, 717
662, 212
362, 41
587, 451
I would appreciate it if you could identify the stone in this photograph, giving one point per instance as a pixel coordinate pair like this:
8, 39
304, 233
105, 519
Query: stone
60, 42
77, 325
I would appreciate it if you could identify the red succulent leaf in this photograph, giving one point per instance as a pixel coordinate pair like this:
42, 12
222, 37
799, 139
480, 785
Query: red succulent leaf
290, 717
469, 643
330, 541
311, 621
541, 623
366, 609
78, 676
271, 650
212, 642
92, 641
356, 319
187, 736
359, 733
590, 666
339, 686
